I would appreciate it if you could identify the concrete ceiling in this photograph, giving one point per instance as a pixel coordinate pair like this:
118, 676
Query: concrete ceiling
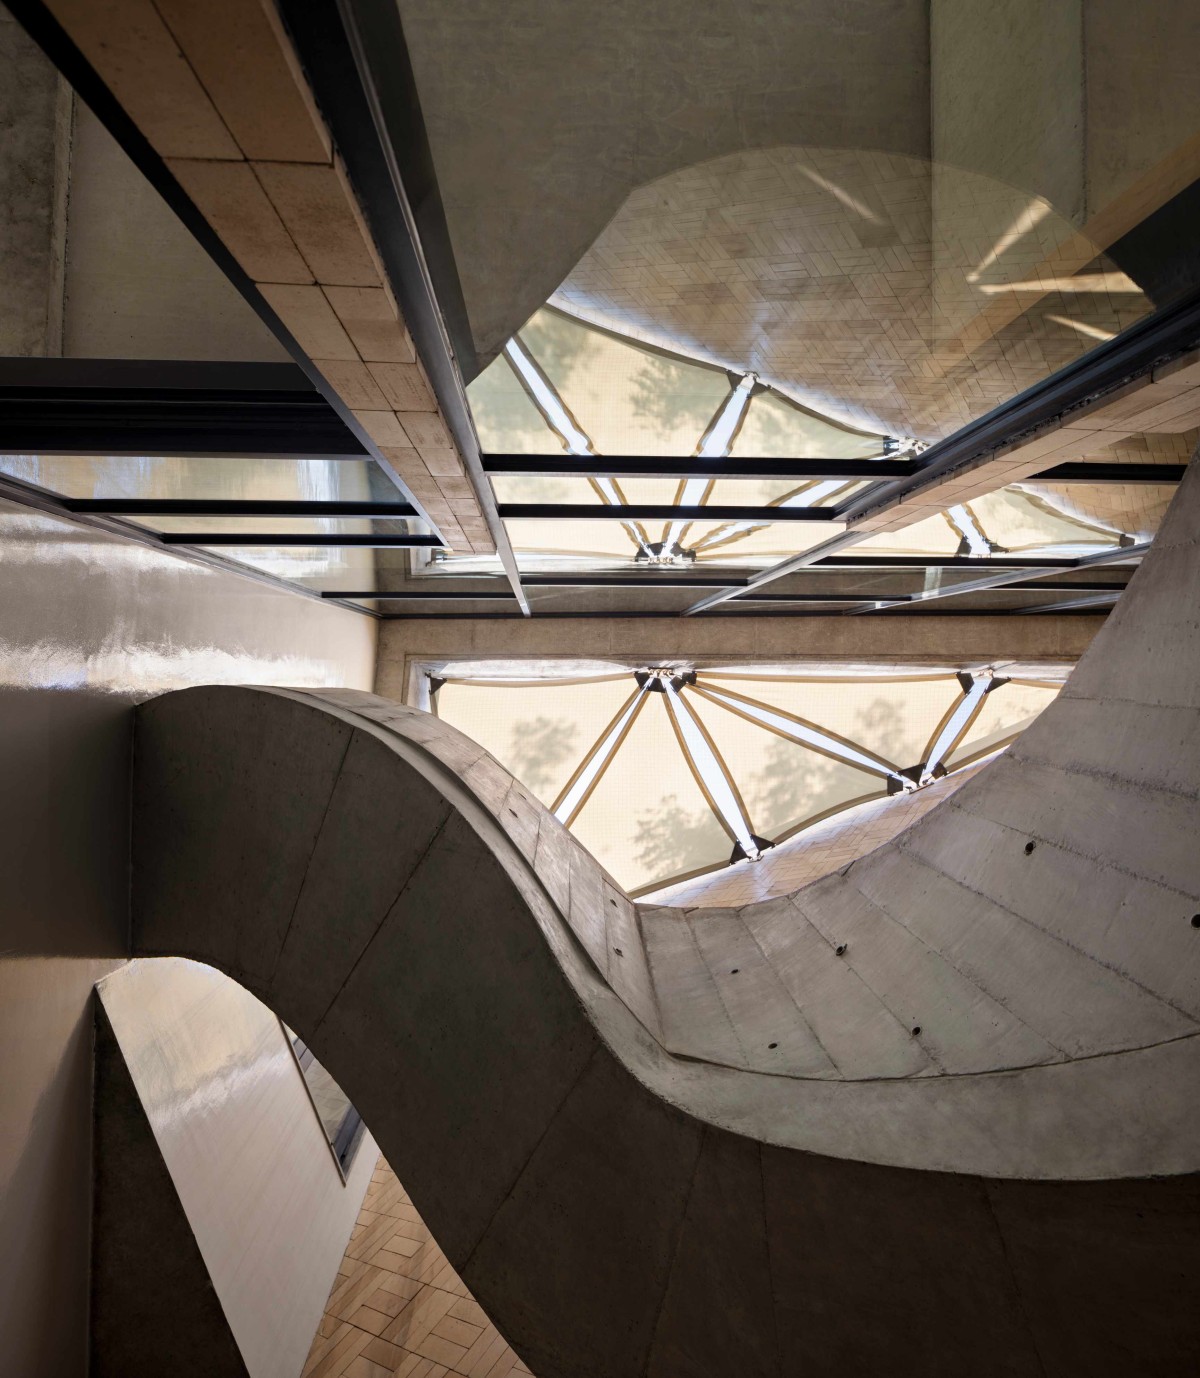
543, 118
837, 195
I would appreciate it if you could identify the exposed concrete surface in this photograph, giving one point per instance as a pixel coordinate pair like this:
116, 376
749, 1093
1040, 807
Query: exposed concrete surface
89, 625
965, 1144
596, 101
225, 1101
32, 195
138, 286
699, 641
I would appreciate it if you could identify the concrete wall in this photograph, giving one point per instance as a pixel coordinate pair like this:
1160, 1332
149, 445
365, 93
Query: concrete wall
543, 117
138, 286
227, 1103
89, 625
93, 263
1073, 102
404, 646
1007, 95
34, 140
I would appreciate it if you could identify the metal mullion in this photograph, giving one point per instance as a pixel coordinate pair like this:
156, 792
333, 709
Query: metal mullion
1116, 555
1091, 600
631, 707
676, 711
882, 767
934, 758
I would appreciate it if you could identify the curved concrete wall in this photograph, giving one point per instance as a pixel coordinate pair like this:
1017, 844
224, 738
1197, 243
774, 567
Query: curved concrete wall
670, 1144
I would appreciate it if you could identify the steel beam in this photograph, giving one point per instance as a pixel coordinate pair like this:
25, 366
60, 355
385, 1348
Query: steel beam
654, 511
408, 597
1006, 577
292, 538
642, 466
200, 507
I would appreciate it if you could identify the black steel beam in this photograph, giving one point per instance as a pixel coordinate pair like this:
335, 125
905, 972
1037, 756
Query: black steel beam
641, 466
160, 409
1086, 472
292, 538
653, 511
199, 507
628, 581
940, 562
858, 597
1087, 602
408, 597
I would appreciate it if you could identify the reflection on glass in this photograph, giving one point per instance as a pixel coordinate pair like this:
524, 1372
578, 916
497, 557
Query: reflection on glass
221, 478
341, 1122
597, 393
1032, 519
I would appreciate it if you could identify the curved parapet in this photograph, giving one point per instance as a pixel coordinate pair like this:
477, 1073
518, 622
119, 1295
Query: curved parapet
935, 1114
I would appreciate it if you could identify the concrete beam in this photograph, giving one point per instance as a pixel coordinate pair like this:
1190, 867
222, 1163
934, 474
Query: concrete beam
928, 639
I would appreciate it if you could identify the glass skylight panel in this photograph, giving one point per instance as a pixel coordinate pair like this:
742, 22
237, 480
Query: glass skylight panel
575, 792
1004, 713
664, 772
1011, 520
648, 817
776, 428
627, 398
506, 416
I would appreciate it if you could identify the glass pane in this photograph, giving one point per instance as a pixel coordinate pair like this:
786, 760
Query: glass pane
1008, 709
895, 719
1131, 509
647, 819
797, 493
506, 417
540, 732
315, 526
587, 539
1018, 520
224, 478
626, 397
775, 428
318, 566
782, 783
738, 543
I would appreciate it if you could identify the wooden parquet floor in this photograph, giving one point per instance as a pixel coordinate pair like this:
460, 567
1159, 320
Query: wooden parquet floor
398, 1309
